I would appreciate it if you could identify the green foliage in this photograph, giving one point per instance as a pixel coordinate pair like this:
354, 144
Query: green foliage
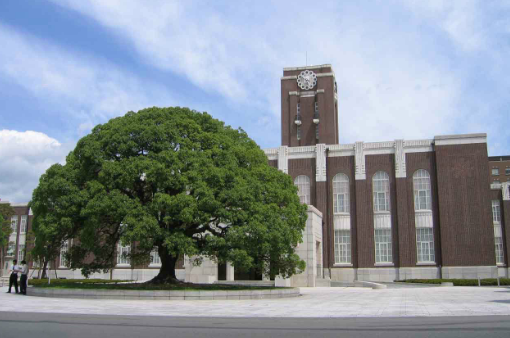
56, 204
6, 212
174, 179
462, 282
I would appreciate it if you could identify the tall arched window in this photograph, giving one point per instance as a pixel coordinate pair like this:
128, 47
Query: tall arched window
303, 184
382, 218
381, 188
421, 184
342, 220
423, 217
340, 194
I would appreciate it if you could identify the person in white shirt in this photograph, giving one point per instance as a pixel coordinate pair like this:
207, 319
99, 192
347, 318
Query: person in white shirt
13, 279
24, 277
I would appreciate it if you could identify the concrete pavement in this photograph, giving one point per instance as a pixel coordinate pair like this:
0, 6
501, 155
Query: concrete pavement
315, 302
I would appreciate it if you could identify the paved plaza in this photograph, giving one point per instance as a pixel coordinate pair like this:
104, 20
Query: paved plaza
314, 302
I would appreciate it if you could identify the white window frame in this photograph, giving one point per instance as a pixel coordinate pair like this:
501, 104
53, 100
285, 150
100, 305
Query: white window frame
341, 196
302, 182
422, 190
496, 212
21, 252
14, 223
381, 192
11, 248
63, 250
498, 246
425, 251
383, 246
495, 171
155, 259
23, 224
123, 252
343, 247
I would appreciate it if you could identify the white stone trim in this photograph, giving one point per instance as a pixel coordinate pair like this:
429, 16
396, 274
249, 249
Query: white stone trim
342, 222
496, 186
291, 77
505, 190
337, 150
359, 159
307, 67
418, 146
400, 159
271, 153
301, 152
320, 170
308, 93
283, 163
443, 140
382, 220
423, 219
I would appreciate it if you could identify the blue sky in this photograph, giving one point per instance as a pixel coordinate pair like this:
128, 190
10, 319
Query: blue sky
405, 69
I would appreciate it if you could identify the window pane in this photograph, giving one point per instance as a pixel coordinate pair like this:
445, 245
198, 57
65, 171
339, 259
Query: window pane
302, 182
425, 245
341, 194
383, 252
381, 188
342, 246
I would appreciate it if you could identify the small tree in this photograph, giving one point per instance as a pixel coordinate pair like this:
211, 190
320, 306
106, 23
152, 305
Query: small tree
6, 212
175, 180
56, 205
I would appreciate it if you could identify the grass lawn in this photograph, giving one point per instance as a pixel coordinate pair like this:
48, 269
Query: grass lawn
122, 285
461, 282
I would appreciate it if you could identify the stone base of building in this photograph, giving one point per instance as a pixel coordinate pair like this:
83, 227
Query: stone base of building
503, 272
390, 274
469, 272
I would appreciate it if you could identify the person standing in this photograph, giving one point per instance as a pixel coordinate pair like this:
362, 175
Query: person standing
23, 278
13, 279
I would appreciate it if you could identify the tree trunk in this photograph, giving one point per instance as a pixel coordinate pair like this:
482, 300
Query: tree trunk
45, 263
166, 273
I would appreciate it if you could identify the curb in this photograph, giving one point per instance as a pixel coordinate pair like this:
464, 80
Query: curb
162, 294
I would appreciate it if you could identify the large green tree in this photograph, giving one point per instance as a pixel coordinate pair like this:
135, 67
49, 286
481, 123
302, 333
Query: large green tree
178, 181
6, 212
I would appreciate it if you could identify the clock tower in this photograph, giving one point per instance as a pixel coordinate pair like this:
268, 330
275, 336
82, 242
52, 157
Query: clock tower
309, 106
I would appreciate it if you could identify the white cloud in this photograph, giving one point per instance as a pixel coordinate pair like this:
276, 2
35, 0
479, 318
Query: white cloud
389, 85
79, 86
25, 157
405, 69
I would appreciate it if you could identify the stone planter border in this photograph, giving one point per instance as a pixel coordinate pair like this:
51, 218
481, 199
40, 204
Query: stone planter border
162, 294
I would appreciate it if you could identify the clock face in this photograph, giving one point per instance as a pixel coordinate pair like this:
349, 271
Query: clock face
307, 80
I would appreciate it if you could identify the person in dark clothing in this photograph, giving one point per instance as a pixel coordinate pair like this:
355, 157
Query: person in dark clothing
23, 278
13, 279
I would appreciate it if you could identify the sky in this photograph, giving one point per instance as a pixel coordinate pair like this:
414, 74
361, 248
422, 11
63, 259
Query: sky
405, 69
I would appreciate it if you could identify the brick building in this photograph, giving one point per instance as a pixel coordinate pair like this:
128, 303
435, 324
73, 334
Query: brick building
392, 210
499, 169
378, 211
21, 223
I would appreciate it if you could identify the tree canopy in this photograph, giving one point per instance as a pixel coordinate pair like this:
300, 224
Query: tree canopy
6, 212
172, 179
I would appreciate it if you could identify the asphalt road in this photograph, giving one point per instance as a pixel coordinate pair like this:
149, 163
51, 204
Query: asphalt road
42, 325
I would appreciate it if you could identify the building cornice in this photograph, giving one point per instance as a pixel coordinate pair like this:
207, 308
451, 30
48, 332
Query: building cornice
290, 69
444, 140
